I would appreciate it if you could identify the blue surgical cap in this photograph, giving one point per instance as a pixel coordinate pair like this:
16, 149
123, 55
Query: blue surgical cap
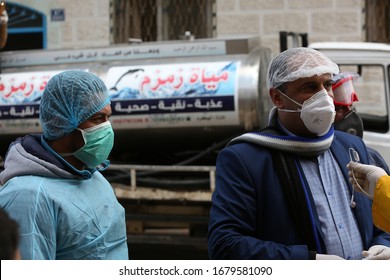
70, 98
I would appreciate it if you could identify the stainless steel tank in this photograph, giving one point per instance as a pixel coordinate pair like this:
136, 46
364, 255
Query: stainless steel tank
171, 96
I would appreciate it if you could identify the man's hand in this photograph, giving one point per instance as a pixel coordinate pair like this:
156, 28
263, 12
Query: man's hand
377, 252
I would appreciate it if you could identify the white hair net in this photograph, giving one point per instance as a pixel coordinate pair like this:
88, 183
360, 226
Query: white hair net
70, 98
297, 63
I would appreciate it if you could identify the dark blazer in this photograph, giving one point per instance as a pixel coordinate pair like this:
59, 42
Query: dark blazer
250, 219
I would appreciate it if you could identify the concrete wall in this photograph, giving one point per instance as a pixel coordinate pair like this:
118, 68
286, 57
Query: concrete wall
87, 22
323, 20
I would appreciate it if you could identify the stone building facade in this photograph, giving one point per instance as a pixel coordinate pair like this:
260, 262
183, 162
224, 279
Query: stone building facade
87, 23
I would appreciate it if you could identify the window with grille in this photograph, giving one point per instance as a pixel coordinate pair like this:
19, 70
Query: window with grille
158, 20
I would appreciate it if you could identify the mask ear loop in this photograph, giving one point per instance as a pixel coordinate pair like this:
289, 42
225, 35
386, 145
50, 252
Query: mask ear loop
292, 100
360, 188
353, 203
354, 156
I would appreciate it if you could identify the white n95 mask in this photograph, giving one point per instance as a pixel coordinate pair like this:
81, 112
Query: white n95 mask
317, 112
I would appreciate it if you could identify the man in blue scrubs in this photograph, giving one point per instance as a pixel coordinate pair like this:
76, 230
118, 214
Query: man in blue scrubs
52, 185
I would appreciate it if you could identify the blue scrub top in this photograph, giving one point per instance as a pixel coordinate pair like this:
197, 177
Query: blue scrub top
66, 218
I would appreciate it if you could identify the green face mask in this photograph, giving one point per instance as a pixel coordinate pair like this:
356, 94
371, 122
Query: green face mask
99, 141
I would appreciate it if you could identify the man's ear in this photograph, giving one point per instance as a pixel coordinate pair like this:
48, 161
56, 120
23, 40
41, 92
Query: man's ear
276, 97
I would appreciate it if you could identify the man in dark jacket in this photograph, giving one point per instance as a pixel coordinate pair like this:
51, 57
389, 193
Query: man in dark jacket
283, 192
